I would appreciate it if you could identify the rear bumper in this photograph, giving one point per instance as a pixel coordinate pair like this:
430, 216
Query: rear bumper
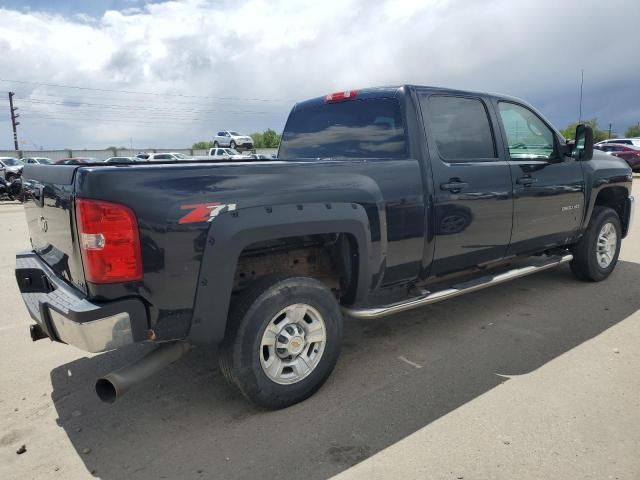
66, 315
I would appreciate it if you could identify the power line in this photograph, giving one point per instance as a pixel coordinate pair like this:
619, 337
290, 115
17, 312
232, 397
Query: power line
128, 107
129, 92
158, 120
104, 97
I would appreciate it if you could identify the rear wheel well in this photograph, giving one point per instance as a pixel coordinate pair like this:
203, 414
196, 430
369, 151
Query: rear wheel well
330, 258
614, 198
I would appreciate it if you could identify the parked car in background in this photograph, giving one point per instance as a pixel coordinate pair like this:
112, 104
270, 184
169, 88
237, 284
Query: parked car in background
629, 153
620, 141
123, 159
77, 161
175, 156
11, 168
260, 156
233, 140
226, 153
37, 160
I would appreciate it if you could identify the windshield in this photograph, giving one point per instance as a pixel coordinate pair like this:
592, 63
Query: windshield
235, 134
44, 161
231, 151
182, 156
11, 162
370, 128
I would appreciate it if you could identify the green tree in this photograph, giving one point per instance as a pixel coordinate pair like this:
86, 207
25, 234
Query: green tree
271, 138
267, 139
258, 140
569, 132
202, 145
633, 131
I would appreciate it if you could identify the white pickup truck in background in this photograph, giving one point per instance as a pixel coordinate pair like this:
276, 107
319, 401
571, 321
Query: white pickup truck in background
222, 154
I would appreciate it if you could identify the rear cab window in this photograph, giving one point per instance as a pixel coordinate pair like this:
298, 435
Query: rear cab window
350, 129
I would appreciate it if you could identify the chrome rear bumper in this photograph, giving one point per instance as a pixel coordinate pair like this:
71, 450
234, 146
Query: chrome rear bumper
66, 315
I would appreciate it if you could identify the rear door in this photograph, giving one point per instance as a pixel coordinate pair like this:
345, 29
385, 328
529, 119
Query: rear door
472, 182
548, 186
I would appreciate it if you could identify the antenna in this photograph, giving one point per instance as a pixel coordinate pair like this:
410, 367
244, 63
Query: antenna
581, 84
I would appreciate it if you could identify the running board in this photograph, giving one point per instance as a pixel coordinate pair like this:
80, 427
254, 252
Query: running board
460, 289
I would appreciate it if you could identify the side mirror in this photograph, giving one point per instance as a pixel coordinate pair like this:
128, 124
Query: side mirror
584, 142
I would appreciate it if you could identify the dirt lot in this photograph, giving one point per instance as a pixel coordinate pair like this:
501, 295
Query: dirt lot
537, 378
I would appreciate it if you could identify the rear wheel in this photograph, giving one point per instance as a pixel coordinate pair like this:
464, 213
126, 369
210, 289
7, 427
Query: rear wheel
216, 144
596, 254
283, 340
232, 144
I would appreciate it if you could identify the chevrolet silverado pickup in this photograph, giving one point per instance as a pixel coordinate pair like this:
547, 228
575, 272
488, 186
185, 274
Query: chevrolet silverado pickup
381, 200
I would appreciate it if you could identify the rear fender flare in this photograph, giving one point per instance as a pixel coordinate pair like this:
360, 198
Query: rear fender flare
231, 232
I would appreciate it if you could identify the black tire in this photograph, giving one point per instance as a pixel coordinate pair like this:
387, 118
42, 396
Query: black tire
11, 177
585, 264
232, 144
251, 313
216, 144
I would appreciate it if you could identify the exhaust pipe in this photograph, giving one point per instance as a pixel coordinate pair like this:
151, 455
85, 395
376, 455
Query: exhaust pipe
114, 385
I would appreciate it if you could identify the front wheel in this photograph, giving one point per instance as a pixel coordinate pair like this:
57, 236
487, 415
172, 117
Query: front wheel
10, 178
216, 144
283, 340
596, 254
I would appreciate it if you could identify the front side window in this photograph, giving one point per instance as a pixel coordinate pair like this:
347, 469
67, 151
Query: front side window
527, 136
461, 127
367, 128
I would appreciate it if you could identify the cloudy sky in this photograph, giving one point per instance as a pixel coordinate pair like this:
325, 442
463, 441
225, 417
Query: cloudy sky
166, 74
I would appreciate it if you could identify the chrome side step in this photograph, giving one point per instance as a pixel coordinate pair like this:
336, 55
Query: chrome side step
460, 289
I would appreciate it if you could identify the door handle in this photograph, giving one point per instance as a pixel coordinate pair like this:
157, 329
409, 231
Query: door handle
526, 181
453, 186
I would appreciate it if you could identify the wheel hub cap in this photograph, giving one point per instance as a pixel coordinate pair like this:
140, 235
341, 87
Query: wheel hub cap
607, 245
292, 344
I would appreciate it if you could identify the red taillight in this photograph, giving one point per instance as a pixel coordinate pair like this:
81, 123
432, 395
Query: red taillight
340, 96
109, 241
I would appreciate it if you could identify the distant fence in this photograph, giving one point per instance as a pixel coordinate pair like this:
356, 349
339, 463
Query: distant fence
104, 154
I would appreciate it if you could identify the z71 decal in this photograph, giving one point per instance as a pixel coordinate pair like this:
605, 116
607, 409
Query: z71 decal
205, 212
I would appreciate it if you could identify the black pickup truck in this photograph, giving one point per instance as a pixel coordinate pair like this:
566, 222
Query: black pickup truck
381, 200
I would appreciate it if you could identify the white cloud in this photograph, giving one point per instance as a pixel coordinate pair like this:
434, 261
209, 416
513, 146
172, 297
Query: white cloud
284, 51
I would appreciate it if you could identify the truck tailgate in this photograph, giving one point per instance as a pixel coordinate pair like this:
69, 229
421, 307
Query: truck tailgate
51, 220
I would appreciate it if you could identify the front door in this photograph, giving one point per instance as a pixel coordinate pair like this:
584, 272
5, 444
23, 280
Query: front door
548, 186
471, 181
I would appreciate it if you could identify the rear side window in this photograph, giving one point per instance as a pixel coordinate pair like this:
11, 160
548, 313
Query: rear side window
370, 128
460, 127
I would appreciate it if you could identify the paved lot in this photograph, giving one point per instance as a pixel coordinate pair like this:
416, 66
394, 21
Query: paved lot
537, 378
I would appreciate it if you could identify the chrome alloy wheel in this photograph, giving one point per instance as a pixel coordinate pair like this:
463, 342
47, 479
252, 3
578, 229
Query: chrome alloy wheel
607, 244
292, 344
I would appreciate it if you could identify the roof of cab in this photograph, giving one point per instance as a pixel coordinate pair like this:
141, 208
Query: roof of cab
392, 91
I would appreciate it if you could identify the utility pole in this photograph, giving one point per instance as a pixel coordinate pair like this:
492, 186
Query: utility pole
14, 122
609, 136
